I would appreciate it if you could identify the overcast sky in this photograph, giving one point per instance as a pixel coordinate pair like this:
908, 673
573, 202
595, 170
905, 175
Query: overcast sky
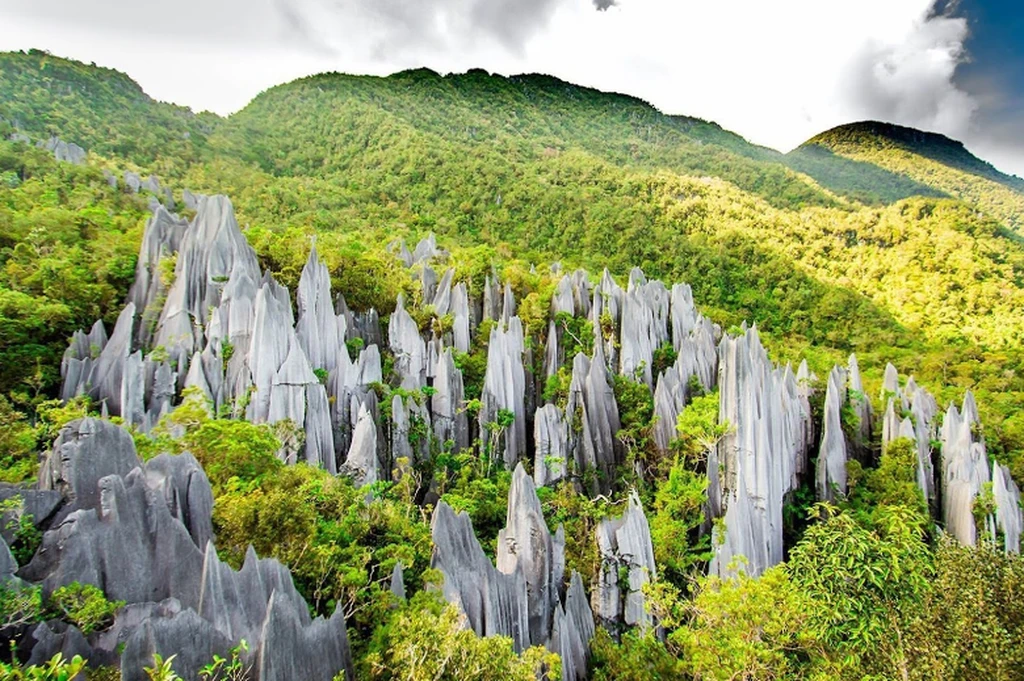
776, 72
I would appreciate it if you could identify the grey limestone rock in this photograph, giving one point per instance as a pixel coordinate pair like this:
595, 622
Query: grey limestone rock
86, 451
193, 640
1008, 511
595, 445
551, 441
505, 387
964, 471
67, 152
624, 544
448, 415
830, 477
759, 459
132, 181
409, 350
494, 602
526, 546
361, 461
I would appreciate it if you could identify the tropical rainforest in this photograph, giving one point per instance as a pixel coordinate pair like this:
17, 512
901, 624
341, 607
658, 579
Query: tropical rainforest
894, 244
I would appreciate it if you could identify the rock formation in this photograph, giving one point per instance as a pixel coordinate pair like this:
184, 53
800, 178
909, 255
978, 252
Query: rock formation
144, 536
524, 597
624, 545
760, 458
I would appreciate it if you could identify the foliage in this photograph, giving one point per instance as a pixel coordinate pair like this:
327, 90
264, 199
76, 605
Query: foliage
638, 657
865, 577
678, 514
970, 621
231, 452
19, 605
26, 538
161, 669
432, 643
699, 429
224, 669
746, 628
56, 669
85, 606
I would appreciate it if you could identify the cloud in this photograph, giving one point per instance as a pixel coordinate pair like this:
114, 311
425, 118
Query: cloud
911, 80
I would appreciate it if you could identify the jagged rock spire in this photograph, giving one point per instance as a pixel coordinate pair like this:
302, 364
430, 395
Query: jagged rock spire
756, 463
624, 544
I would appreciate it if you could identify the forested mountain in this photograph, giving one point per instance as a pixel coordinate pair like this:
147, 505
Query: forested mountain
894, 244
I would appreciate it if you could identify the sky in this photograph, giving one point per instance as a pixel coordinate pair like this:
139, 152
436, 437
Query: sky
775, 71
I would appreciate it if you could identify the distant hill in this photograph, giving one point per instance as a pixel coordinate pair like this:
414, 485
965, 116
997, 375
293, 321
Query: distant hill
930, 159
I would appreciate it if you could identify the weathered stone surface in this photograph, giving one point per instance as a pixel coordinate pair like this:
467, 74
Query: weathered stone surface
8, 565
595, 446
398, 581
551, 441
505, 387
757, 462
624, 544
964, 471
830, 477
320, 332
461, 320
408, 348
194, 641
526, 546
361, 462
67, 152
494, 602
86, 451
448, 415
132, 181
861, 407
1008, 512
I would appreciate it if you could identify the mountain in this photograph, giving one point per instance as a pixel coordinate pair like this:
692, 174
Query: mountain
484, 355
823, 247
931, 159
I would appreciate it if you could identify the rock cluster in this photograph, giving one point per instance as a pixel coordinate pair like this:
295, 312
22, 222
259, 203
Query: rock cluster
143, 533
68, 152
624, 545
761, 457
525, 596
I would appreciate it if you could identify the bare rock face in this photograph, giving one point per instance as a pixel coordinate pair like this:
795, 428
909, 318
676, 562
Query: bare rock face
591, 397
505, 388
67, 152
526, 545
409, 350
362, 461
551, 439
758, 461
860, 406
964, 471
494, 602
1008, 512
85, 452
522, 597
448, 415
144, 537
832, 457
624, 544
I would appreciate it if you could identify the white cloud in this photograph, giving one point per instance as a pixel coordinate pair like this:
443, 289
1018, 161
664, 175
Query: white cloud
776, 72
